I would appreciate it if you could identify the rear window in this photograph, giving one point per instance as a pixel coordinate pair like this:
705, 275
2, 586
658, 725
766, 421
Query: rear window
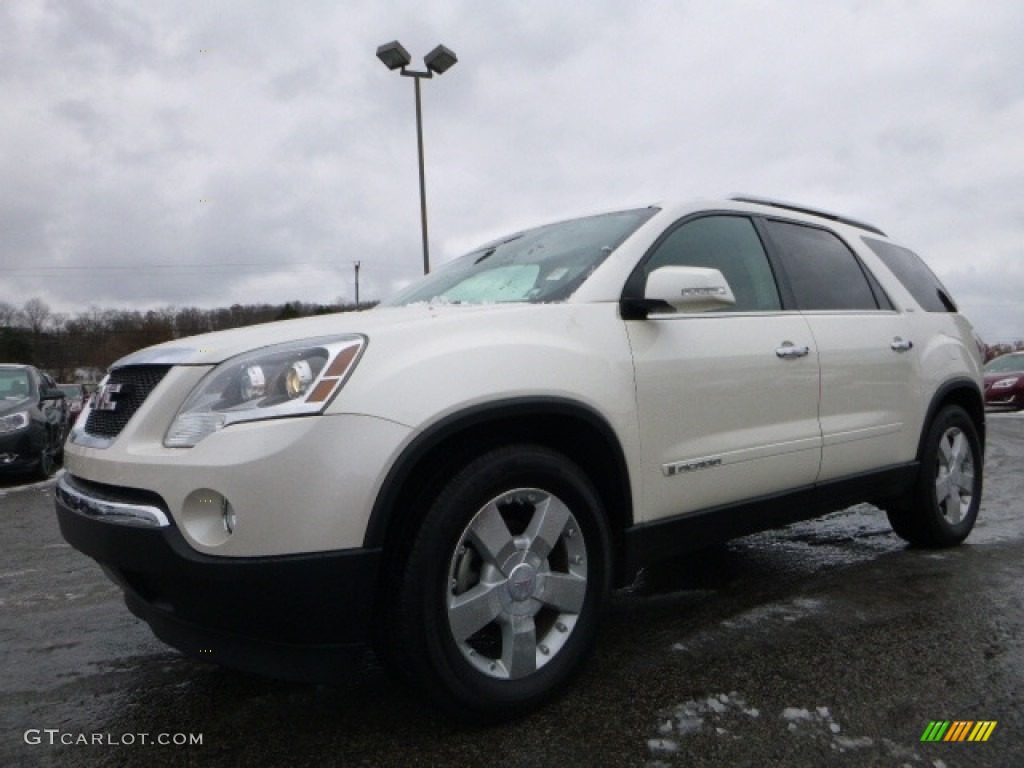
823, 271
917, 278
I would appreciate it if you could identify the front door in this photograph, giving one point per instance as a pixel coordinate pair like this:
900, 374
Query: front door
727, 401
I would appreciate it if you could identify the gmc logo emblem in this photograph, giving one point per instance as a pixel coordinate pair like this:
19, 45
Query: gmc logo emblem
102, 399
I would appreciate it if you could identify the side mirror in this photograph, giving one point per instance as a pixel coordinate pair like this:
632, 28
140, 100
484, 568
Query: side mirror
689, 289
52, 394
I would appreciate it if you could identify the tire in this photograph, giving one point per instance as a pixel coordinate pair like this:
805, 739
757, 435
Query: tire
499, 598
942, 508
47, 465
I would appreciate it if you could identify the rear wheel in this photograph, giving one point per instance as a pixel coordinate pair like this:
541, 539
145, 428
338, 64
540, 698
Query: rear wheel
943, 506
499, 597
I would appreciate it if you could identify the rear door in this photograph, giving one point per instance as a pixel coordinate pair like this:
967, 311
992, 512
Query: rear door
865, 349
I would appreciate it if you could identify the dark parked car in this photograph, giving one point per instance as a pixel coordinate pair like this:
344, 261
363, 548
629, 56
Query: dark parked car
76, 395
33, 421
1004, 381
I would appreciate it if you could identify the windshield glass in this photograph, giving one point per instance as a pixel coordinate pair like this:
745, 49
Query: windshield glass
14, 384
539, 265
1005, 364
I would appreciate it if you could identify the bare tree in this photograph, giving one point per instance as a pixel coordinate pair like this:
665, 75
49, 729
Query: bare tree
8, 315
36, 312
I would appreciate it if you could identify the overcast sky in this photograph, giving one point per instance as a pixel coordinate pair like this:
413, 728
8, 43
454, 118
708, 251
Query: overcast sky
203, 153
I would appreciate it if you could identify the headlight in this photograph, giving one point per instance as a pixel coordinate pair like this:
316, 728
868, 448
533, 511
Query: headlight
295, 379
13, 422
1005, 383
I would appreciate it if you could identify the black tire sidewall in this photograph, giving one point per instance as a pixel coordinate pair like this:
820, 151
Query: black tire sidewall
47, 465
940, 529
445, 672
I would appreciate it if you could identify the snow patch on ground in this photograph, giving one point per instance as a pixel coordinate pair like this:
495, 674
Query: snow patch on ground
763, 617
728, 715
794, 610
820, 722
723, 712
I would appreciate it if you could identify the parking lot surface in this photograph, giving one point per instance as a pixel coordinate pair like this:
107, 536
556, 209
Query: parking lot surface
826, 643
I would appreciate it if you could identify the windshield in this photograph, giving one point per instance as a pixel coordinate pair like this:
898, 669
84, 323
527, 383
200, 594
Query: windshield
539, 265
14, 384
1005, 364
71, 390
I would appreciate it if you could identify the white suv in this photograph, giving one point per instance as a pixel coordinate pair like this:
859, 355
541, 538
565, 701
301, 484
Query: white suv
463, 474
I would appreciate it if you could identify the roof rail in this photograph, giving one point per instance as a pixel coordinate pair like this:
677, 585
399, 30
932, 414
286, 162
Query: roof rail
805, 209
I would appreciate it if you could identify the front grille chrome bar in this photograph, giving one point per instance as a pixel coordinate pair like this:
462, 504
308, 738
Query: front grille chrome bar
118, 512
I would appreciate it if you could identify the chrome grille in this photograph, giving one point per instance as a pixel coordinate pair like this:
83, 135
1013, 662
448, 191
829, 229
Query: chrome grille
135, 382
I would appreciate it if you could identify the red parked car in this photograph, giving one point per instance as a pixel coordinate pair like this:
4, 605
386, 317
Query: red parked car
76, 395
1004, 381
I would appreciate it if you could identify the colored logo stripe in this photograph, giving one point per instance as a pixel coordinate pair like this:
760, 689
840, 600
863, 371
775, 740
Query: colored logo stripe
958, 730
982, 730
935, 731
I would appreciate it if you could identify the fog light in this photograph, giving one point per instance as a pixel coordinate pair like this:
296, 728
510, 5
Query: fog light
299, 377
228, 516
208, 517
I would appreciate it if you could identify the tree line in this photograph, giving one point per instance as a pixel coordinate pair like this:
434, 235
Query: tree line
90, 341
83, 345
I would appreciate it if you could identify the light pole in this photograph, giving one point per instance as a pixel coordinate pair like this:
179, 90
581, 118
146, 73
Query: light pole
438, 61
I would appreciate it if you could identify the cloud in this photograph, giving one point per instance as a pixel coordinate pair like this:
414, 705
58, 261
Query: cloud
121, 118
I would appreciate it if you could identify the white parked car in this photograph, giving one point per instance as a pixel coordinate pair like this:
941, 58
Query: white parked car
463, 474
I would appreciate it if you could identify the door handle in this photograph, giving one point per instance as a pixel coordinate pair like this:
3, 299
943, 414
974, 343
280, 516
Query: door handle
899, 345
789, 351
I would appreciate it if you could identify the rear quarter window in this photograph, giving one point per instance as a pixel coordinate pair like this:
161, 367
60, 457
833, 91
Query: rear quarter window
917, 278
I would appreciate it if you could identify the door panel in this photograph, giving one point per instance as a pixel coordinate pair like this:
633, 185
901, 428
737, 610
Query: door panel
723, 417
866, 389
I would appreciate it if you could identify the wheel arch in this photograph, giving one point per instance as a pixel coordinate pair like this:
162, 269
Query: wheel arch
569, 427
964, 393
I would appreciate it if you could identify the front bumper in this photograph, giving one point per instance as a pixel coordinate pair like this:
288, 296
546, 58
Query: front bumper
1005, 398
19, 451
298, 617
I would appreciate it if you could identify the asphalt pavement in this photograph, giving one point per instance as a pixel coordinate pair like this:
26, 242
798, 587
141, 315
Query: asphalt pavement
826, 643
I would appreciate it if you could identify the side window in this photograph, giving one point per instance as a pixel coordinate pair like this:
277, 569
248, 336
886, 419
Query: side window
729, 244
822, 270
920, 282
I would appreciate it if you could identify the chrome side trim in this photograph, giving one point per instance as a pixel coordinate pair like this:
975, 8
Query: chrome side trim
684, 467
109, 511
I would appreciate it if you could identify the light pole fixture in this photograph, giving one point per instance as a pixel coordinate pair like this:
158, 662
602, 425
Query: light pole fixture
438, 61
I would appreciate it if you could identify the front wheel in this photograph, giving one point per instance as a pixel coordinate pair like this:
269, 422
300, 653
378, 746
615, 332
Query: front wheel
48, 458
941, 509
503, 585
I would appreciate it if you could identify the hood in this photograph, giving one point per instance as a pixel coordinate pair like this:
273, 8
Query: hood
10, 406
214, 348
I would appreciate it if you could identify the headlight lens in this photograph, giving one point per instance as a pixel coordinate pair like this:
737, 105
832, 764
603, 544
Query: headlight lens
1005, 383
12, 422
294, 379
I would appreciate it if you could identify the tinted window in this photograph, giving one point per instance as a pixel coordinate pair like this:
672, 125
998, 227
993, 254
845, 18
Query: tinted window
729, 244
920, 282
822, 270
